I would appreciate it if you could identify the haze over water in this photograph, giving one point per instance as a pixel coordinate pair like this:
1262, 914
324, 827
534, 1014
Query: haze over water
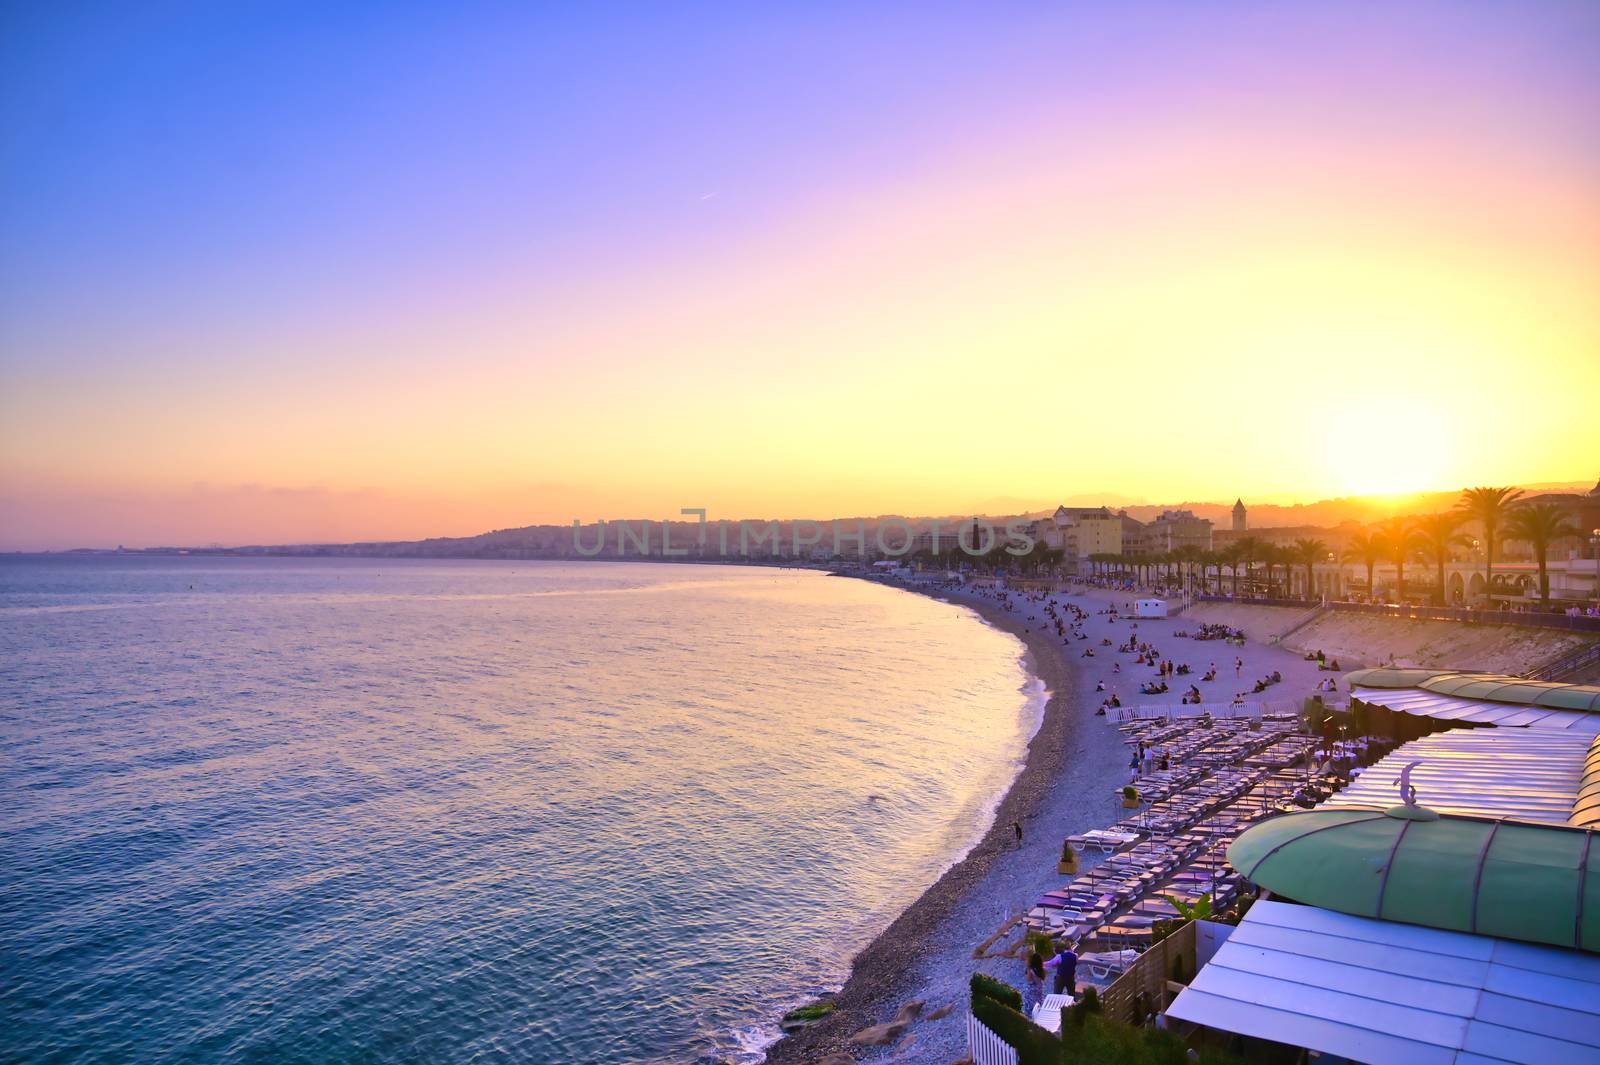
308, 810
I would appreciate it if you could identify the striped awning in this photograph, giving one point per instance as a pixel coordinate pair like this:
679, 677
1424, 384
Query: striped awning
1395, 994
1528, 774
1478, 711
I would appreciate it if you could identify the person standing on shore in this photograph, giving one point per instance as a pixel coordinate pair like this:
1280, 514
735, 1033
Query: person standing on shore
1066, 966
1032, 983
1016, 828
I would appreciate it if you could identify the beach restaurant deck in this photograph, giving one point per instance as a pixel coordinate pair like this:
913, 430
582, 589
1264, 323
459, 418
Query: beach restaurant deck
1456, 923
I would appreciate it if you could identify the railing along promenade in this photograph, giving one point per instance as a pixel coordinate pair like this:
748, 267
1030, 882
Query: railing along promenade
1526, 619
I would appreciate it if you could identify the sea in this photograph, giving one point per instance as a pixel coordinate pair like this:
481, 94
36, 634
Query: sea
376, 810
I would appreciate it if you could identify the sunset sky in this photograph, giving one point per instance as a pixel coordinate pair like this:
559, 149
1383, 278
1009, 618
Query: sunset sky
289, 272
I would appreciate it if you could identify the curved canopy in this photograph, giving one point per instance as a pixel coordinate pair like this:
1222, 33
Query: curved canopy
1422, 703
1537, 883
1490, 687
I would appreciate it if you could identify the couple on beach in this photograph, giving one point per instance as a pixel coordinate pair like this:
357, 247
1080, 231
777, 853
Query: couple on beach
1065, 965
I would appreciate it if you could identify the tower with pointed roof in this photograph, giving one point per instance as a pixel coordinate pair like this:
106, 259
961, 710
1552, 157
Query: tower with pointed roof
1239, 523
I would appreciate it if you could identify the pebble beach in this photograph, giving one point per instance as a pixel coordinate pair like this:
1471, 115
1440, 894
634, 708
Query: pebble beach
916, 971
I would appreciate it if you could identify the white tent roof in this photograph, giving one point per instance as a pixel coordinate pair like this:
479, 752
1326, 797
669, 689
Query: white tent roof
1477, 711
1529, 774
1397, 994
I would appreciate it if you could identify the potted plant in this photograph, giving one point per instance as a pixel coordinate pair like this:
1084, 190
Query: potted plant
1130, 797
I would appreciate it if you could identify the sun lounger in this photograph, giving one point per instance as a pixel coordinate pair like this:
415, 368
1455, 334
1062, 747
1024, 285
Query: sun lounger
1048, 1013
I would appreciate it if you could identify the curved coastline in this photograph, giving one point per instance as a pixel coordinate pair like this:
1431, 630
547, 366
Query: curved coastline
881, 974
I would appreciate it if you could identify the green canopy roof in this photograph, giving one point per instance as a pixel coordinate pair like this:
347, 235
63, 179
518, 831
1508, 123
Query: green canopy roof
1490, 687
1514, 880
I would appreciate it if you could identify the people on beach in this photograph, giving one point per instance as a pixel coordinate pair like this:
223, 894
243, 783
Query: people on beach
1032, 983
1066, 966
1016, 829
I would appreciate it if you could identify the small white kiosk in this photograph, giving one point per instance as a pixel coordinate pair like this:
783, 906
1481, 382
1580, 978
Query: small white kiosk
1149, 608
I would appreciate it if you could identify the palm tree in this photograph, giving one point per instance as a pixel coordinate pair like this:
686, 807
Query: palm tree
1232, 556
1366, 548
1250, 551
1438, 534
1187, 556
1539, 525
1287, 558
1490, 506
1400, 544
1308, 553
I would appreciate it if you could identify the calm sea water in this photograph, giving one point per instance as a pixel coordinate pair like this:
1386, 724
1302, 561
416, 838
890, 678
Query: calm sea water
379, 811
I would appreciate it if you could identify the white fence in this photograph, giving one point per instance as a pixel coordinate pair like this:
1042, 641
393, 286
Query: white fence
1171, 712
984, 1047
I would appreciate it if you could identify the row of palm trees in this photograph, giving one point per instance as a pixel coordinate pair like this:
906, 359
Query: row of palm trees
1239, 558
1500, 513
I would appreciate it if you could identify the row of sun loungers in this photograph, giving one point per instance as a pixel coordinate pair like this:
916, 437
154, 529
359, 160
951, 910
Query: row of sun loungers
1221, 778
1103, 840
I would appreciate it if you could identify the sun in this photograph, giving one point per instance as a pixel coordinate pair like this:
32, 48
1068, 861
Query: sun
1386, 448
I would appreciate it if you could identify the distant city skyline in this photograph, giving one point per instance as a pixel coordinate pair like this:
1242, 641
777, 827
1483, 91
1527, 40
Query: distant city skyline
359, 273
1264, 513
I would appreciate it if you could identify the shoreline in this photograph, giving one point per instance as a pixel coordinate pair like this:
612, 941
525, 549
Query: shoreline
882, 972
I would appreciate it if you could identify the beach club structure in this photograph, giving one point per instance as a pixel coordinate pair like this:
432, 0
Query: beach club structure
1444, 908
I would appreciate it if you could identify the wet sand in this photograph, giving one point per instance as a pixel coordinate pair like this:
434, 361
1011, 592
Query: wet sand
1075, 764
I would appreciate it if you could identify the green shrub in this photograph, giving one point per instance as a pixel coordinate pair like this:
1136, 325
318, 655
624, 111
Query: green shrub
1034, 1045
985, 986
1098, 1040
1236, 913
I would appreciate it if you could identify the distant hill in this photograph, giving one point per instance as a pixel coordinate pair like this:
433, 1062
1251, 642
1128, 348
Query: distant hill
557, 541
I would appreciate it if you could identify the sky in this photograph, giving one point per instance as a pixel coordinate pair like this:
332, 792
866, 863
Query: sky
314, 272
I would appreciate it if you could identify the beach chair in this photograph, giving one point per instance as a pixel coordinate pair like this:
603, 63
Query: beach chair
1047, 1014
1107, 965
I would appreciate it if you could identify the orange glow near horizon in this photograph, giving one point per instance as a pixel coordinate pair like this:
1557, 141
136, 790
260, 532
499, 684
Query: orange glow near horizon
1312, 265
